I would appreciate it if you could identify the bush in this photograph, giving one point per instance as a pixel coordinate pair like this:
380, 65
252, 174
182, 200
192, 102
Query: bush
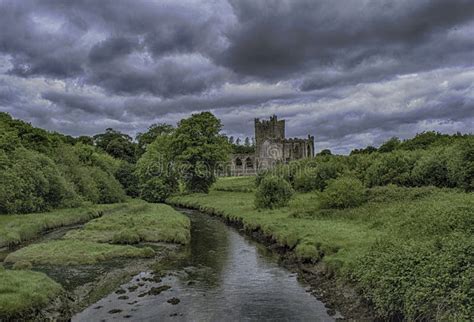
432, 169
110, 190
31, 182
394, 167
157, 189
461, 165
317, 178
419, 281
273, 192
344, 192
128, 179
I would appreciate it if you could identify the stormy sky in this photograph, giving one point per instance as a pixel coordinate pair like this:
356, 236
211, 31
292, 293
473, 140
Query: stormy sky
351, 73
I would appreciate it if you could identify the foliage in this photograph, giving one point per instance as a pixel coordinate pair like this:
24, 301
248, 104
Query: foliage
392, 167
31, 182
117, 144
429, 281
24, 291
109, 189
148, 137
199, 148
157, 189
344, 192
390, 145
128, 179
317, 176
156, 172
273, 192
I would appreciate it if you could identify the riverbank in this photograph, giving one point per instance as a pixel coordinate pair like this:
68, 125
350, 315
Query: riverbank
88, 262
366, 253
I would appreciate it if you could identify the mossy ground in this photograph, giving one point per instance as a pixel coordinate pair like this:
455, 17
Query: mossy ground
424, 221
22, 291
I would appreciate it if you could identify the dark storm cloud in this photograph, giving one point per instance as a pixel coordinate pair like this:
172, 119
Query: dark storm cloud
279, 38
330, 68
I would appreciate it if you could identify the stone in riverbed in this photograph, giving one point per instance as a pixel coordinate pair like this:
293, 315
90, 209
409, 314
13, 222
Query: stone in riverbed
114, 311
173, 301
158, 290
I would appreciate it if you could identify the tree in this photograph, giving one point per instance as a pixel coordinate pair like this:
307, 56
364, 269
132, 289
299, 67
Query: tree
231, 140
198, 147
154, 131
247, 141
117, 144
325, 152
390, 145
237, 141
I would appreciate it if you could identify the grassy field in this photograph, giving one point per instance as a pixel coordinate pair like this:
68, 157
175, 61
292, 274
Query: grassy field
22, 291
142, 223
235, 184
15, 229
411, 229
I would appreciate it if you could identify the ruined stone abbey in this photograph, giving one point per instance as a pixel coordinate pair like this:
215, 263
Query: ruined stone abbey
271, 148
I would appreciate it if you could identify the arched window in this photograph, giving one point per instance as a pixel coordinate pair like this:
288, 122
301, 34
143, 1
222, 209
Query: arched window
238, 163
296, 151
248, 163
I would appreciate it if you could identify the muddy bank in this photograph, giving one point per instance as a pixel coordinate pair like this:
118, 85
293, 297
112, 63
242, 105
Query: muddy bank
337, 294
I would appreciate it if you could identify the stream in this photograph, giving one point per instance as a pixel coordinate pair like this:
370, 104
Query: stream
221, 276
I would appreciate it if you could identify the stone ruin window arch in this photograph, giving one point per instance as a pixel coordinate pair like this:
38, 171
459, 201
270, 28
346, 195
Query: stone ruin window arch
296, 151
248, 163
238, 163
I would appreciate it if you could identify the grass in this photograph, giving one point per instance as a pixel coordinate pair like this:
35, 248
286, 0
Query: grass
131, 223
15, 229
399, 234
75, 252
235, 184
22, 291
142, 223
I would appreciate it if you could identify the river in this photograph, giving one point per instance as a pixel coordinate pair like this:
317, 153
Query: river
222, 276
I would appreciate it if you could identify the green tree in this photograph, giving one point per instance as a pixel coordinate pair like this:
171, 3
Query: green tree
153, 132
117, 144
390, 145
199, 147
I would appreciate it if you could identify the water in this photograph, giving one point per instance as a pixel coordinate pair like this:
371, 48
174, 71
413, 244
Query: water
222, 276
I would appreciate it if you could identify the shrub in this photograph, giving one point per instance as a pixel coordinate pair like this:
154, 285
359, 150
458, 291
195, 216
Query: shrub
432, 169
273, 192
31, 182
128, 179
110, 190
157, 189
419, 281
394, 167
461, 165
344, 192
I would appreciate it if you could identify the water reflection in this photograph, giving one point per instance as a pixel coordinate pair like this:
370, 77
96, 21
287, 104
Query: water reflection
223, 276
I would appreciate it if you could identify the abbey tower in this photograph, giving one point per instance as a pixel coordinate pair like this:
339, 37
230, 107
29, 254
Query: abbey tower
272, 147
